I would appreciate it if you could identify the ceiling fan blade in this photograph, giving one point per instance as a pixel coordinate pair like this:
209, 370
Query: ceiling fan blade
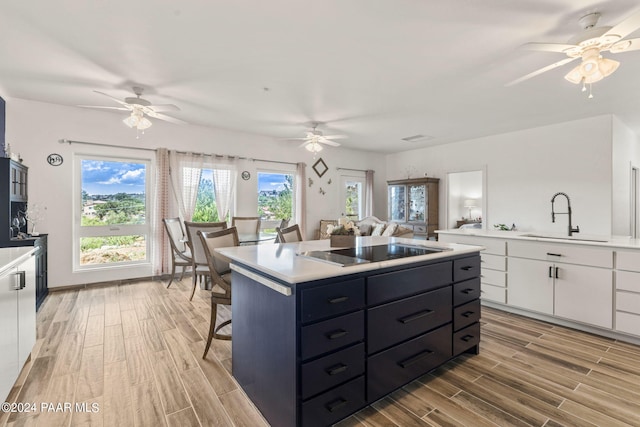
119, 101
164, 107
625, 46
303, 144
548, 47
626, 27
167, 118
329, 142
105, 108
335, 136
541, 70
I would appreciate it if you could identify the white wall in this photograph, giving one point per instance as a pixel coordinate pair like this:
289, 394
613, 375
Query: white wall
626, 152
34, 128
526, 168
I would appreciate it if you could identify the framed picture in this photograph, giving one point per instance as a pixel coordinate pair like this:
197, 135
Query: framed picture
320, 167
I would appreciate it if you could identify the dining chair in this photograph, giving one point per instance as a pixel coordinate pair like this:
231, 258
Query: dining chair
220, 276
246, 224
180, 252
289, 234
199, 264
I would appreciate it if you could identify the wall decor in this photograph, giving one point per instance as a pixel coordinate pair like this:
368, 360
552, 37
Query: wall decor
54, 159
310, 182
245, 175
320, 167
329, 182
321, 191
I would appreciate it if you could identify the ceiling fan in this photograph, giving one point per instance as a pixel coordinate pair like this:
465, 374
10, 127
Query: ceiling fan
315, 137
140, 108
589, 45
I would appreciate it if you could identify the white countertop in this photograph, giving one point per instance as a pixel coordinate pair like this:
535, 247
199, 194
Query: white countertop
282, 262
577, 238
9, 257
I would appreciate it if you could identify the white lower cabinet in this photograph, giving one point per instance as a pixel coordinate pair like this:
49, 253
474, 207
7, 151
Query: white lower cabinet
628, 292
18, 325
530, 285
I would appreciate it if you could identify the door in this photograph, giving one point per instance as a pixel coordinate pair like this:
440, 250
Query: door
530, 285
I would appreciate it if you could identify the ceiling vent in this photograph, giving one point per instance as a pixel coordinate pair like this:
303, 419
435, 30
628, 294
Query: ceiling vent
417, 138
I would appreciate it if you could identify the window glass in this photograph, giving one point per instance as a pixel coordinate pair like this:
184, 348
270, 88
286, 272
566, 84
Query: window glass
275, 198
113, 219
206, 210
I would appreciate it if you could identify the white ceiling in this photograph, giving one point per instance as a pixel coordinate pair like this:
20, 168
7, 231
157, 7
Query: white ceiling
373, 70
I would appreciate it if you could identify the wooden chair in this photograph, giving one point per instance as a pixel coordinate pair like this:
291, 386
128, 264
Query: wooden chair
289, 234
220, 276
180, 252
199, 263
246, 224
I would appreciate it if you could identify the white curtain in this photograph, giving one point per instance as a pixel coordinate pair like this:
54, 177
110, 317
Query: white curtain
160, 247
301, 197
368, 193
185, 172
224, 186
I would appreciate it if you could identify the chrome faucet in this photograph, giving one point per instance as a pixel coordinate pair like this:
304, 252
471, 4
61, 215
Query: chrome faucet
553, 213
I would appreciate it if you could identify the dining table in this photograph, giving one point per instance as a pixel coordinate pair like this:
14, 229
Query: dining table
255, 238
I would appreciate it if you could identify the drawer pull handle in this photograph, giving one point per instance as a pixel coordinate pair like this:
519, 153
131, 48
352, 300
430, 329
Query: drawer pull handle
415, 316
467, 338
468, 313
552, 254
337, 369
466, 267
468, 291
337, 300
336, 404
415, 359
336, 334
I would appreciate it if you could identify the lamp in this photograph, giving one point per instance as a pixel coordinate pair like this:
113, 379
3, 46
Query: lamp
314, 147
593, 68
470, 203
137, 120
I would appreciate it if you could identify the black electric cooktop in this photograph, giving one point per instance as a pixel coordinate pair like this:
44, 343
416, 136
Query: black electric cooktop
365, 254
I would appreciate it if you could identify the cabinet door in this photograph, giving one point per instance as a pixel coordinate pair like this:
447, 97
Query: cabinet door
397, 203
26, 310
584, 294
417, 202
8, 332
530, 286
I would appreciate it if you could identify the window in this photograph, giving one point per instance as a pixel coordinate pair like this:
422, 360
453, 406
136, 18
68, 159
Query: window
206, 209
352, 196
275, 198
112, 227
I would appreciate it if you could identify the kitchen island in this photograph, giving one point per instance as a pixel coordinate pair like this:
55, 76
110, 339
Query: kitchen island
316, 338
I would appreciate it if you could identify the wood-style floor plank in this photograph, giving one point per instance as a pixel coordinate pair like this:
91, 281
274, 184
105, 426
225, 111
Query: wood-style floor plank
134, 352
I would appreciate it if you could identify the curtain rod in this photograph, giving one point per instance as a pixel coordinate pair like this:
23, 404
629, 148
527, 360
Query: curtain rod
70, 141
356, 170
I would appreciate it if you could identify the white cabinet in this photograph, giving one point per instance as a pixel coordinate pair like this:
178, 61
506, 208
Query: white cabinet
493, 264
17, 314
628, 292
569, 281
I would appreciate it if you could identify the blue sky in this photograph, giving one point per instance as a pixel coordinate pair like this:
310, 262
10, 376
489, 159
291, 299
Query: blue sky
271, 181
107, 177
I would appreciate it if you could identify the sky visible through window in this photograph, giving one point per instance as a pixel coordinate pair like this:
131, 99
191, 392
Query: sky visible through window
271, 181
105, 177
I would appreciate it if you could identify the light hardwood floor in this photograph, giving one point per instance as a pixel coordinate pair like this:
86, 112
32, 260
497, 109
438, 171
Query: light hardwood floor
134, 350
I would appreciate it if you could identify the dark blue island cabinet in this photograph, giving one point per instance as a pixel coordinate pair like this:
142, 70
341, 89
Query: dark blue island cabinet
313, 353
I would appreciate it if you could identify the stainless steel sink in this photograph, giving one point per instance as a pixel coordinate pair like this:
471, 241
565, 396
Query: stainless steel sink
580, 239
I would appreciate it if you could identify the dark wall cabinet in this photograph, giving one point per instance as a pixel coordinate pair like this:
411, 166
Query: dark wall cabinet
337, 345
13, 222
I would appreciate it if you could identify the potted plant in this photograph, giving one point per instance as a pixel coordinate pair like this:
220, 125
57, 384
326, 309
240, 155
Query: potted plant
343, 235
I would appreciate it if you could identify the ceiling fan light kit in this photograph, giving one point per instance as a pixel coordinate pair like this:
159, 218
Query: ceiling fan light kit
315, 138
588, 46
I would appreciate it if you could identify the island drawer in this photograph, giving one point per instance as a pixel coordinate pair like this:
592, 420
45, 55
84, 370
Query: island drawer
397, 284
466, 268
397, 321
335, 404
395, 367
330, 300
466, 291
466, 338
466, 314
331, 334
331, 370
